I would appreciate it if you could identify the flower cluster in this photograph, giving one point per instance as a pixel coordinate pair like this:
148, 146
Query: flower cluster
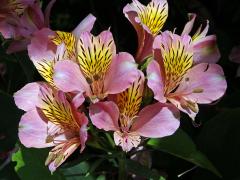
88, 81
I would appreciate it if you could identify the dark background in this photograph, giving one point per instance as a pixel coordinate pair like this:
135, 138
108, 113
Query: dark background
219, 133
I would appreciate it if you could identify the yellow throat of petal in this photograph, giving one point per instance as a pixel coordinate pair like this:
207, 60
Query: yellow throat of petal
45, 69
176, 60
16, 6
129, 102
70, 42
94, 60
58, 112
153, 16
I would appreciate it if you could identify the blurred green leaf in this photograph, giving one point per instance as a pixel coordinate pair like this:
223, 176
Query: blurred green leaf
77, 172
140, 170
219, 139
30, 163
182, 146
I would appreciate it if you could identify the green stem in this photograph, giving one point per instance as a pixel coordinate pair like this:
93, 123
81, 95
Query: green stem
122, 173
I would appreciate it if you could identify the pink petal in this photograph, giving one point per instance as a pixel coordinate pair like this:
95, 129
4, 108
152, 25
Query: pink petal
27, 98
126, 141
155, 82
104, 115
78, 100
189, 25
66, 149
83, 130
130, 12
41, 46
206, 50
180, 103
33, 131
122, 73
145, 48
35, 15
68, 77
203, 84
157, 120
47, 13
85, 25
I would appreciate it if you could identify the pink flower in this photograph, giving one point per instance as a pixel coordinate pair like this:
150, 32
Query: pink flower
19, 19
47, 47
148, 22
123, 116
98, 70
204, 47
174, 76
51, 120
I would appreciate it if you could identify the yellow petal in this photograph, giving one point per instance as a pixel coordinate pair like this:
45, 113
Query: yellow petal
57, 109
154, 15
129, 101
70, 42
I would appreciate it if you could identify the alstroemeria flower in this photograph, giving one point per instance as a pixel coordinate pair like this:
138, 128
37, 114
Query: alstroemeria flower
99, 71
47, 47
204, 47
20, 19
174, 77
123, 116
51, 120
148, 22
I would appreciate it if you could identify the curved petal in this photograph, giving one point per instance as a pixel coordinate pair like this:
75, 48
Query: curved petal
206, 50
130, 12
126, 140
203, 84
41, 46
68, 77
189, 25
104, 115
85, 25
155, 82
83, 131
122, 73
44, 53
27, 98
157, 120
78, 100
33, 130
185, 105
47, 12
60, 153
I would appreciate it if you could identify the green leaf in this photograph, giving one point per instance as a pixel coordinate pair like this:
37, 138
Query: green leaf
30, 163
182, 146
219, 139
77, 172
140, 170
